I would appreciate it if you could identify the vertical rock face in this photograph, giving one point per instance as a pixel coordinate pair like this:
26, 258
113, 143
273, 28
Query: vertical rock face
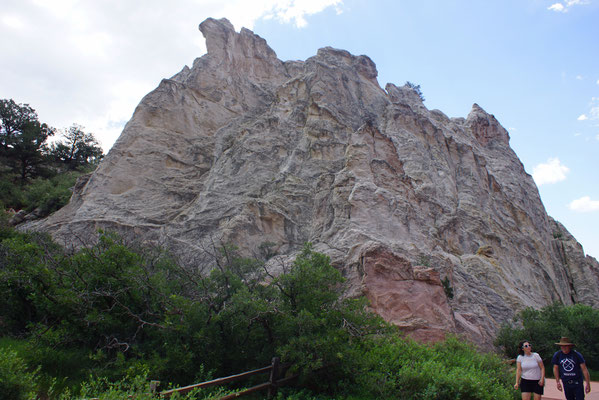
250, 149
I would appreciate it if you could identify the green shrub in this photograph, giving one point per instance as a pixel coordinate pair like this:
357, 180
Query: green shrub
136, 386
447, 287
301, 394
11, 195
402, 368
17, 381
49, 195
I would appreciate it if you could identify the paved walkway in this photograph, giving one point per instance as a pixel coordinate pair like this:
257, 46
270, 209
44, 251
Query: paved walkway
551, 392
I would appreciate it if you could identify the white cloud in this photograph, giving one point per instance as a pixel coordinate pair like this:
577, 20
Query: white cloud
593, 113
584, 204
579, 77
570, 3
550, 172
295, 10
12, 21
565, 6
559, 7
597, 81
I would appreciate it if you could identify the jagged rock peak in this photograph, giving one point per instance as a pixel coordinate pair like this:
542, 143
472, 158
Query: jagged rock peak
249, 149
340, 58
223, 42
485, 126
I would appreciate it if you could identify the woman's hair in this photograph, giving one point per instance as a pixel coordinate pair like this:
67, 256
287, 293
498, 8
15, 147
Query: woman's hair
520, 351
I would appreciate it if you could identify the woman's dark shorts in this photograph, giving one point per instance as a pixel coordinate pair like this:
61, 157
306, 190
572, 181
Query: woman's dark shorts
528, 386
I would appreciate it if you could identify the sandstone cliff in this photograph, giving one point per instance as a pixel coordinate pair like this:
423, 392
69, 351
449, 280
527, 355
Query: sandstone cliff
249, 149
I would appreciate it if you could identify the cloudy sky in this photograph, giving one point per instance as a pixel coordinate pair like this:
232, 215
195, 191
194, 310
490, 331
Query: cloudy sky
534, 64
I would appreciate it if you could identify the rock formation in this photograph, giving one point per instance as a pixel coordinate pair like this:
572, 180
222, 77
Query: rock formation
249, 149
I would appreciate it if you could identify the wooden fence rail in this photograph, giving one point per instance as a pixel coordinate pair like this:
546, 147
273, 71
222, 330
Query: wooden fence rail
275, 370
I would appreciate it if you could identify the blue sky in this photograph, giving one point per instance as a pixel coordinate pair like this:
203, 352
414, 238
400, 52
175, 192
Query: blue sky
534, 64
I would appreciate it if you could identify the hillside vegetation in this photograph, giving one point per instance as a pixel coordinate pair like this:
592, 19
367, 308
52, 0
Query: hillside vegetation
108, 316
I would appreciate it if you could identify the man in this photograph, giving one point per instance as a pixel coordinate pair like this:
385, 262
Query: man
569, 366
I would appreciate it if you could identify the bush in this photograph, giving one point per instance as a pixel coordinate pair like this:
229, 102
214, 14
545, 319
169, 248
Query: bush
44, 194
16, 380
402, 368
49, 195
11, 195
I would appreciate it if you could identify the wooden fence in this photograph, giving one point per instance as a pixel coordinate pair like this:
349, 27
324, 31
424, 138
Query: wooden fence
276, 371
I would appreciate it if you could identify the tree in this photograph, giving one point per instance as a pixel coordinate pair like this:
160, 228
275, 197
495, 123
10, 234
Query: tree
13, 117
30, 148
78, 149
22, 139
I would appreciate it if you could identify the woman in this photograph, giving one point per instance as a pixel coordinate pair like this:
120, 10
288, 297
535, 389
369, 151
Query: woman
530, 372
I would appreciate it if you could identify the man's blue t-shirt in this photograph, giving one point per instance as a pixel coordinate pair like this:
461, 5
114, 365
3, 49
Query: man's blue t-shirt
569, 365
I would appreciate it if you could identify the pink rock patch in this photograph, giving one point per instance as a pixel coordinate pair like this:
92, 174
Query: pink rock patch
410, 297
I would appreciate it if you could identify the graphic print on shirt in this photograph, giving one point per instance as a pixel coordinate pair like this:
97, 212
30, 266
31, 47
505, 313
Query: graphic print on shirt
568, 364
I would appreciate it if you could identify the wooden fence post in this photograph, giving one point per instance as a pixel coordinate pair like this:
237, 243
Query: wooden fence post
154, 386
274, 376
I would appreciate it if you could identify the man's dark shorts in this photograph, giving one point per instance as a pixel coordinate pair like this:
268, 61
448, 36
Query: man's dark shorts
528, 386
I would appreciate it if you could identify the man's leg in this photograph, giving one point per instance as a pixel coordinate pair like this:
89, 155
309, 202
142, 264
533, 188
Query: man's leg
574, 392
579, 392
570, 392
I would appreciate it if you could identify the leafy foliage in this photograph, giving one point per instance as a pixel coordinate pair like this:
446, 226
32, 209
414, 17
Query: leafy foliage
49, 195
544, 327
78, 148
399, 368
44, 195
11, 195
132, 308
113, 312
16, 380
23, 140
447, 287
13, 118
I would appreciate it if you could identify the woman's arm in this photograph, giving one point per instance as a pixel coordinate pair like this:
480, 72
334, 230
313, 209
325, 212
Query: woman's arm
518, 374
542, 367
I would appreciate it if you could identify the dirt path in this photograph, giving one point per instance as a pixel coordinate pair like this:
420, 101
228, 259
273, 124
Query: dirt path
552, 393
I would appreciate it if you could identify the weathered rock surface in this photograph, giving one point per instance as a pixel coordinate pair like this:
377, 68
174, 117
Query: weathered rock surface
249, 149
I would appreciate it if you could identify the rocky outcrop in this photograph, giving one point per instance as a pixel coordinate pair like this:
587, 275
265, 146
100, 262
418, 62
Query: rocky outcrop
249, 149
411, 297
